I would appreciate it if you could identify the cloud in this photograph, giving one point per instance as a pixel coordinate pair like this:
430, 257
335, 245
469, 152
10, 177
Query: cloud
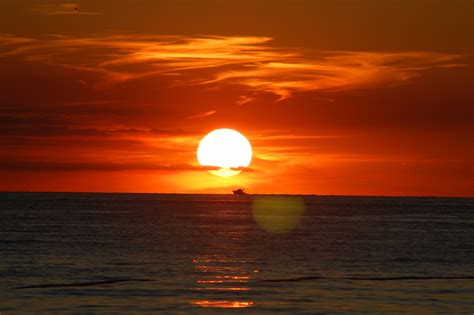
29, 125
336, 71
214, 168
95, 102
201, 115
61, 9
91, 166
243, 99
221, 60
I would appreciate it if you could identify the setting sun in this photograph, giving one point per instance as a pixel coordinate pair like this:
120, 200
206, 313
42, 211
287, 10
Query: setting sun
227, 150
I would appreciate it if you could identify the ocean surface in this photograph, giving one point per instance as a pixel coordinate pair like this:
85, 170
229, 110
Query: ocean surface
81, 253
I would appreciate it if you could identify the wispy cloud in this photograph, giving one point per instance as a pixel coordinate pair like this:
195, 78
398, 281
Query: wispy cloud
248, 61
91, 166
336, 71
61, 9
243, 99
202, 115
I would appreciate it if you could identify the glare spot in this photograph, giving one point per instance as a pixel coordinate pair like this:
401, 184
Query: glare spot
277, 214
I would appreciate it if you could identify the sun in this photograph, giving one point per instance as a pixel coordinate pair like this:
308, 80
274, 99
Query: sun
226, 150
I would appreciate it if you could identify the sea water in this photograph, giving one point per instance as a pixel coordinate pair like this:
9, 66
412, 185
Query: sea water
83, 253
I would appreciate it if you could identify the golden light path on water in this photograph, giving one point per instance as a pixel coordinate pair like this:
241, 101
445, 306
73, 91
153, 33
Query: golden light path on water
223, 304
221, 273
225, 269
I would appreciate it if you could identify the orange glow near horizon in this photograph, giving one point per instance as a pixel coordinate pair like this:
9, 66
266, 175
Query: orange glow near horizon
92, 102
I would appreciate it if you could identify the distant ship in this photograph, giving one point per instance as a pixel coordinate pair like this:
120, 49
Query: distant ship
239, 192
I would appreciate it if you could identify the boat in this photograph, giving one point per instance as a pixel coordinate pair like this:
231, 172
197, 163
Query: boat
239, 192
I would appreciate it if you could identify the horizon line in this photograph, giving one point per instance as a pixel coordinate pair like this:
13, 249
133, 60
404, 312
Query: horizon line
225, 194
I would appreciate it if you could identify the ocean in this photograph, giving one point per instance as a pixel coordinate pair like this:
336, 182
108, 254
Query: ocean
101, 253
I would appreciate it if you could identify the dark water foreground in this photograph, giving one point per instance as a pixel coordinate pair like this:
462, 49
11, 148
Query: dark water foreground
137, 253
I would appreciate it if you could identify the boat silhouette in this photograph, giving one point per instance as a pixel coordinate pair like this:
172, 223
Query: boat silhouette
239, 192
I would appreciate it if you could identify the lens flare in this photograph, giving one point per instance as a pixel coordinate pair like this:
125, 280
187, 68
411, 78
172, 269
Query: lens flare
277, 214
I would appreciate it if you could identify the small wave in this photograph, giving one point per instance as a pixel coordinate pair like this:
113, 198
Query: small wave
369, 278
80, 284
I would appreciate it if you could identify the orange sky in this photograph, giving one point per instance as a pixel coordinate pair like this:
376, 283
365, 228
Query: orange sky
336, 97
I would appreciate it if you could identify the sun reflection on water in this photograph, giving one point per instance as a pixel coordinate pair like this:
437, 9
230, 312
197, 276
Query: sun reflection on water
221, 274
223, 271
223, 304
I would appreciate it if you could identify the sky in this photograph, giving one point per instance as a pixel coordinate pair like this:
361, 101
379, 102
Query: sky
336, 97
